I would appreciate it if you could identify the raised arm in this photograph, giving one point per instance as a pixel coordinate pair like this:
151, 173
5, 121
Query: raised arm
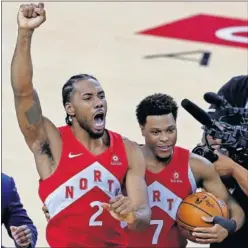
27, 103
34, 127
204, 171
136, 186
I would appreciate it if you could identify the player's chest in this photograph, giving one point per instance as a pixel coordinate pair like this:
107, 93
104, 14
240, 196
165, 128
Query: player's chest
97, 167
162, 198
166, 194
89, 177
94, 180
174, 181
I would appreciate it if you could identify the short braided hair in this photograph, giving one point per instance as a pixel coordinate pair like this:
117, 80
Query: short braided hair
68, 89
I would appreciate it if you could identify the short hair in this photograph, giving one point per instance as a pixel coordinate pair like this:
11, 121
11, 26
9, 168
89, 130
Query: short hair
156, 104
68, 89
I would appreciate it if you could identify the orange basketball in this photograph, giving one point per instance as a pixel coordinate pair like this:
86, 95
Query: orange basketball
194, 207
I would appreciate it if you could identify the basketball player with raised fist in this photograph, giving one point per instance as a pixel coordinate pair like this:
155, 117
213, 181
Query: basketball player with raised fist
172, 174
81, 165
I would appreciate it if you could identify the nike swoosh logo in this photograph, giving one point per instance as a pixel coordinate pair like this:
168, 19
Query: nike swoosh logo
74, 155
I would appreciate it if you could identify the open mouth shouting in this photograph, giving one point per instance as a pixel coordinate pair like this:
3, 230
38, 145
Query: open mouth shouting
99, 120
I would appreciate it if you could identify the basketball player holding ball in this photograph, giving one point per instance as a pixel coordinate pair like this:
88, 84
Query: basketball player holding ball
172, 174
82, 166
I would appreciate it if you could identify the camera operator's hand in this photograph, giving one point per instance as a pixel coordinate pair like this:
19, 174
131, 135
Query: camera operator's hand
224, 165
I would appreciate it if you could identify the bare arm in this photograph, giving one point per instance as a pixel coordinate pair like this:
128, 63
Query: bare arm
203, 169
241, 176
225, 166
136, 186
34, 126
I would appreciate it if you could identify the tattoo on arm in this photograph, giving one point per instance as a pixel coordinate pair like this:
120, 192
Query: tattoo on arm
16, 91
33, 114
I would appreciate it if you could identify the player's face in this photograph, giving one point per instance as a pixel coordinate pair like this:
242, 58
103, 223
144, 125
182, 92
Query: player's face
90, 107
160, 134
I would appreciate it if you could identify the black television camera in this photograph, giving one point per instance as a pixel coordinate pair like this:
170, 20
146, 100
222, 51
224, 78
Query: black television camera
234, 137
224, 112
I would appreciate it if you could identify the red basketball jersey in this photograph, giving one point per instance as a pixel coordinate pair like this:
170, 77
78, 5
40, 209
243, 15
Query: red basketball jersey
166, 191
74, 193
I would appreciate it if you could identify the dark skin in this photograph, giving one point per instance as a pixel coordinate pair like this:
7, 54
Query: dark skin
160, 135
160, 131
87, 99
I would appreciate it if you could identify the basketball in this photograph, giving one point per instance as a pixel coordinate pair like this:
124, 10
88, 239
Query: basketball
194, 207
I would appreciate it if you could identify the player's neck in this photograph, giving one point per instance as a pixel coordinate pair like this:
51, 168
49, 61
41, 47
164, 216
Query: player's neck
152, 160
86, 140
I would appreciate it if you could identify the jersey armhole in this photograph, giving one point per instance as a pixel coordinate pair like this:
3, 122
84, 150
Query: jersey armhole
192, 179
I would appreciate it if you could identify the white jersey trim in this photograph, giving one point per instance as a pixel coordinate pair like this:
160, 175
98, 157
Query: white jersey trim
56, 201
192, 180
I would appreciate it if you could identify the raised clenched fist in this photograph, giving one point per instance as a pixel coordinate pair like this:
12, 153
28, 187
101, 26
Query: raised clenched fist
31, 16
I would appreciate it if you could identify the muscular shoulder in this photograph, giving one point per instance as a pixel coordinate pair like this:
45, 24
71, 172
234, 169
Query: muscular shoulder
201, 167
133, 152
129, 144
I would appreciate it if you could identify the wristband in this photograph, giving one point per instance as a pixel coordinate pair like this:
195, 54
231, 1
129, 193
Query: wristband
229, 225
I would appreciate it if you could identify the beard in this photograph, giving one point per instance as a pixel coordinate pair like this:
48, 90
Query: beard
91, 133
164, 160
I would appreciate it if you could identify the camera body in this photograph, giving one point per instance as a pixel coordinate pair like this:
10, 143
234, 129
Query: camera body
230, 124
234, 144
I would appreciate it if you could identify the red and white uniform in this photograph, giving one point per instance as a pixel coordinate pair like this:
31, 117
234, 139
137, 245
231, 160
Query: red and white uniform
74, 193
166, 191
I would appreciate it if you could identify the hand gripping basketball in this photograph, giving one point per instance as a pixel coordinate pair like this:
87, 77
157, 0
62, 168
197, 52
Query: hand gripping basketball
31, 16
229, 225
120, 209
197, 218
217, 233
